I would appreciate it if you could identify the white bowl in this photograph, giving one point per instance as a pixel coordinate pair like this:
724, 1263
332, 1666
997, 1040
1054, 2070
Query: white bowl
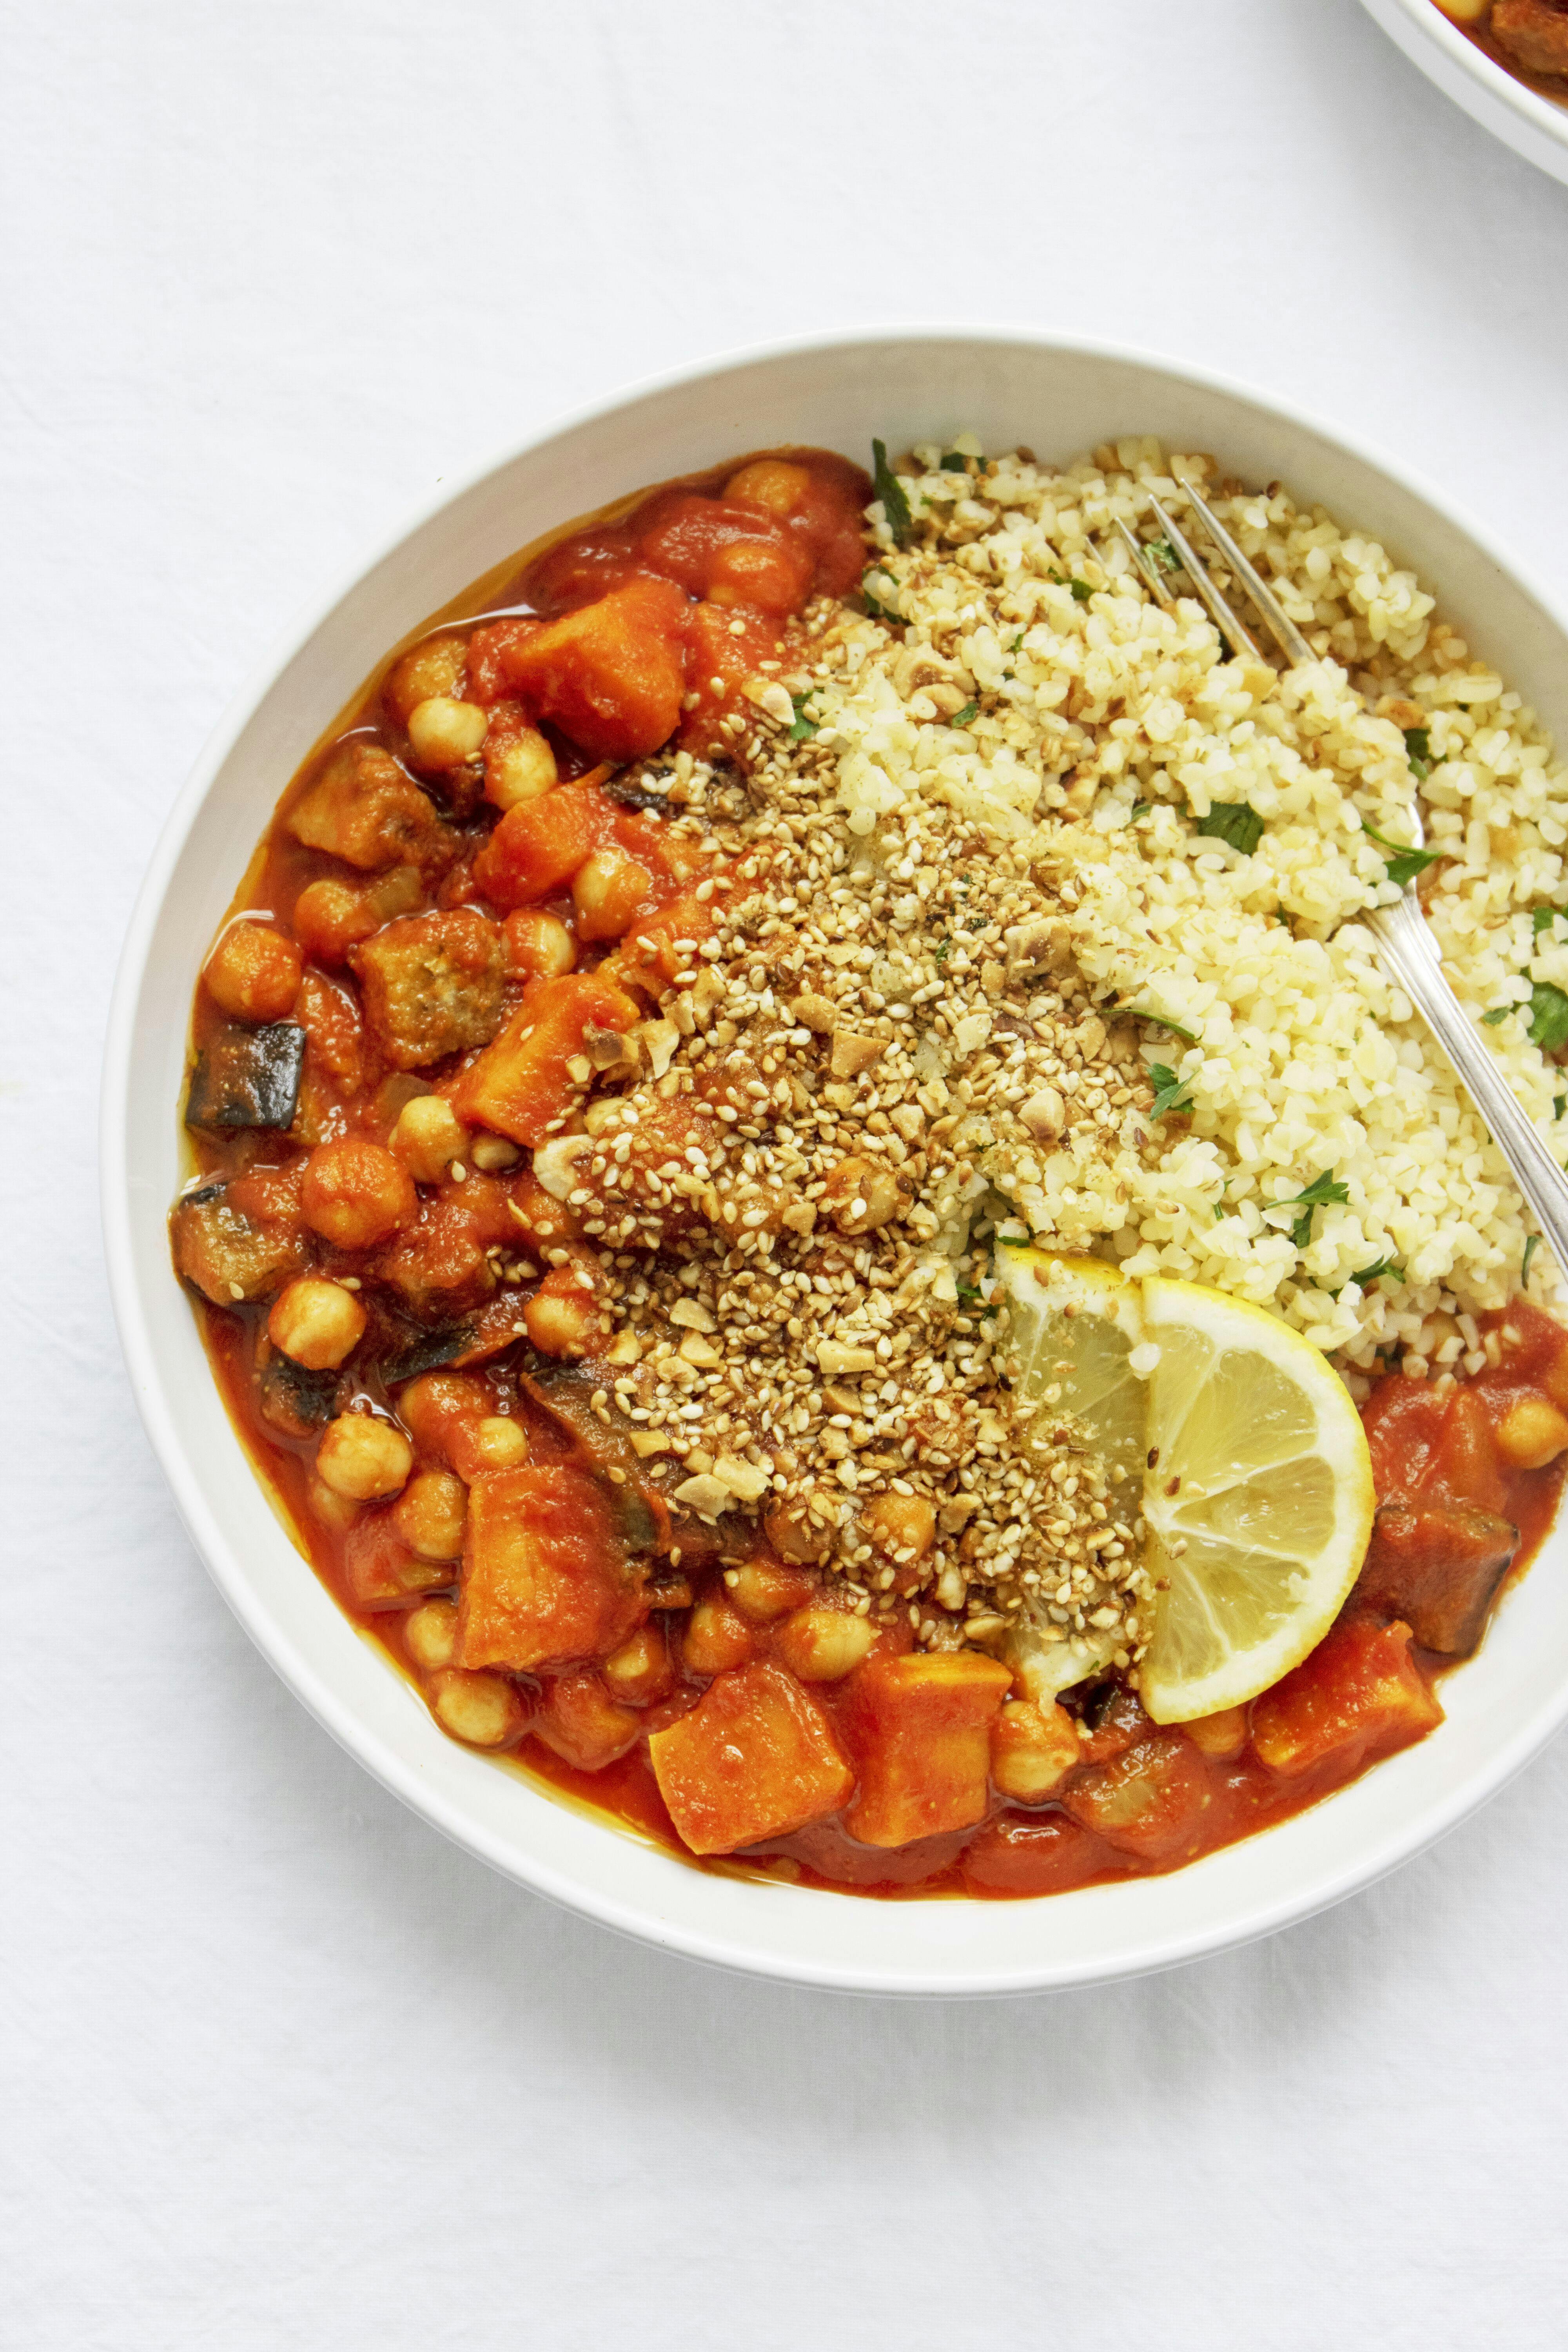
1060, 397
1533, 126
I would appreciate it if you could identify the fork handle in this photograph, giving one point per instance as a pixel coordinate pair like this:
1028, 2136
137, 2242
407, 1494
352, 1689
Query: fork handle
1410, 952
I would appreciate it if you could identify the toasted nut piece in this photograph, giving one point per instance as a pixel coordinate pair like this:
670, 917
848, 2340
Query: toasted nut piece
834, 1359
852, 1052
816, 1012
483, 1709
430, 1515
823, 1645
316, 1323
362, 1456
1045, 1114
1532, 1433
430, 1633
428, 1137
1033, 1750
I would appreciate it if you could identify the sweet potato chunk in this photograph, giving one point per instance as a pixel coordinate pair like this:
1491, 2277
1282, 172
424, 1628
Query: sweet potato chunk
364, 809
920, 1732
1358, 1691
538, 844
433, 985
755, 1757
610, 675
520, 1082
1436, 1565
1149, 1802
544, 1576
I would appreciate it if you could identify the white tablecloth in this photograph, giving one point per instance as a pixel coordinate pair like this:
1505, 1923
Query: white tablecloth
282, 2069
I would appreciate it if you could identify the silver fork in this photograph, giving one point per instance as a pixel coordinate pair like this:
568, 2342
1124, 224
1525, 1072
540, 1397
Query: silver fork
1403, 938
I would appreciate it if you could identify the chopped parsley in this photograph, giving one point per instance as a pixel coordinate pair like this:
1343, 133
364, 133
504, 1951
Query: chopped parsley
1138, 809
1369, 1273
1419, 751
804, 729
1548, 1017
1318, 1193
1235, 821
872, 600
1544, 917
967, 1294
1218, 1212
1160, 1021
1013, 643
1081, 591
1498, 1012
1169, 1091
1161, 554
1405, 863
1531, 1244
962, 718
944, 949
890, 490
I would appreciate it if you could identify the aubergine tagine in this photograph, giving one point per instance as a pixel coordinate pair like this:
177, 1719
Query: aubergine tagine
809, 1193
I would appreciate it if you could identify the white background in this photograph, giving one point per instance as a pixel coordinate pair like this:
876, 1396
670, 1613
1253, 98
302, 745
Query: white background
282, 2069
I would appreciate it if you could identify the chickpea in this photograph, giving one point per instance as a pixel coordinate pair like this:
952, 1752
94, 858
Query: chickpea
362, 1456
428, 1137
435, 667
491, 1153
1033, 1750
1532, 1433
254, 974
716, 1638
519, 766
498, 1443
1221, 1736
762, 1589
430, 1633
431, 1512
485, 1710
334, 1510
768, 482
539, 944
440, 1410
638, 1672
860, 1194
795, 1534
900, 1523
444, 734
316, 1323
608, 890
356, 1194
562, 1319
823, 1645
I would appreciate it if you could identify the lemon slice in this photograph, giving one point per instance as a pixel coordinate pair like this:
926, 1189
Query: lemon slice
1256, 1482
1258, 1497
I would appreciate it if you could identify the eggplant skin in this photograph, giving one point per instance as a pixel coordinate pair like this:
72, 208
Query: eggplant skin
249, 1077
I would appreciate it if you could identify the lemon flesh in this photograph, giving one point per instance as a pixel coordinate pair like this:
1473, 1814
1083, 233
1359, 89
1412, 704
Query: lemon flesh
1256, 1478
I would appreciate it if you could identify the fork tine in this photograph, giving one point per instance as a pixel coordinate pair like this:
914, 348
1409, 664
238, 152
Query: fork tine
1148, 569
1282, 627
1241, 637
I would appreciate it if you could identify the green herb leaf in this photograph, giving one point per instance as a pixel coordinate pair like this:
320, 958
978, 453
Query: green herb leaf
1139, 808
1498, 1012
977, 922
1369, 1273
955, 462
1081, 591
1235, 821
872, 602
1218, 1212
804, 727
1013, 643
962, 718
1405, 863
890, 490
1169, 1091
1548, 1017
1159, 1021
1560, 1103
1419, 751
1544, 917
1318, 1195
1531, 1244
967, 1294
943, 950
1163, 554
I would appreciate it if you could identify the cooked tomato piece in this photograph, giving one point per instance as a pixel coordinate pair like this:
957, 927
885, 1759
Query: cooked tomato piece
755, 1757
544, 1573
521, 1085
1360, 1690
540, 843
610, 675
920, 1731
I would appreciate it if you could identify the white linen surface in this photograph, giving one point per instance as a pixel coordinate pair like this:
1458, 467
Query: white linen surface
283, 2069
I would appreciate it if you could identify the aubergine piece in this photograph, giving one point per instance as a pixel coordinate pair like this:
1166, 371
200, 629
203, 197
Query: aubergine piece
1438, 1566
637, 796
295, 1401
425, 1354
229, 1257
249, 1077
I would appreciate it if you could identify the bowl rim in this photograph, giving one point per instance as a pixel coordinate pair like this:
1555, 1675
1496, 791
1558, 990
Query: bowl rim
1428, 1821
1430, 23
